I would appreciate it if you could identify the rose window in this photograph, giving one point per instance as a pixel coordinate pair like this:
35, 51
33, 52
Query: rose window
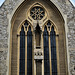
37, 13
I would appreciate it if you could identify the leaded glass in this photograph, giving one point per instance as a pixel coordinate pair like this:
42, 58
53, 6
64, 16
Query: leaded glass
29, 52
53, 52
46, 53
37, 13
22, 52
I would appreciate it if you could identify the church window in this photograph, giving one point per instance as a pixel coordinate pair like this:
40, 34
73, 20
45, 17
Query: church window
37, 44
46, 53
37, 13
29, 52
22, 52
53, 51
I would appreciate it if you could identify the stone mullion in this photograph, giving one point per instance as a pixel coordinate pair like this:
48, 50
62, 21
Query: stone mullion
42, 53
25, 52
34, 41
33, 53
57, 53
50, 54
18, 56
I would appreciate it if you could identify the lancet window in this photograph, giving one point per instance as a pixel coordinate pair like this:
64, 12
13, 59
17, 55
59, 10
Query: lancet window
25, 49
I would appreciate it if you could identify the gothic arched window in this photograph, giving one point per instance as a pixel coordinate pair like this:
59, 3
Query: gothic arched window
29, 52
25, 54
46, 52
22, 52
38, 45
49, 50
50, 55
53, 52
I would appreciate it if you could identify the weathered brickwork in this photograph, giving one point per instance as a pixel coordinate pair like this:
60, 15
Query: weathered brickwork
7, 9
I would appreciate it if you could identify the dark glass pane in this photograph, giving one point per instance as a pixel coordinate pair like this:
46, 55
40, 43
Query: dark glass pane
53, 52
26, 23
29, 52
22, 52
46, 53
49, 23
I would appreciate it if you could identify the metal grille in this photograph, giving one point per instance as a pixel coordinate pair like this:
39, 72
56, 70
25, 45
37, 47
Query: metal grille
53, 52
22, 52
29, 52
46, 53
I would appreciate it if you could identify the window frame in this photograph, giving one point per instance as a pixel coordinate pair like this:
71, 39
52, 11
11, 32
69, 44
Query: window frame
18, 47
33, 61
57, 50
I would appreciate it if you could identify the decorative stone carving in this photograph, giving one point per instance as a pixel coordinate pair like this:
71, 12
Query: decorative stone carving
38, 55
37, 13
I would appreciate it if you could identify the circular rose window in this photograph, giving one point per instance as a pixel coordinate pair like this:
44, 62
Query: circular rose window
37, 13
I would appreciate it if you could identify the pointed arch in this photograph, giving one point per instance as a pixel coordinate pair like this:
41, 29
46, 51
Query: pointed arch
12, 29
22, 52
29, 51
37, 4
50, 24
26, 25
46, 52
53, 51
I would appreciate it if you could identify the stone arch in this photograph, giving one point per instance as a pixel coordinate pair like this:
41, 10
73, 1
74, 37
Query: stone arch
52, 24
16, 19
35, 5
22, 24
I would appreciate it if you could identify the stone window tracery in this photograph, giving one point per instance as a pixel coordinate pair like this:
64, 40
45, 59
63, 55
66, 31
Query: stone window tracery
37, 13
22, 52
49, 41
46, 52
33, 52
49, 49
25, 49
